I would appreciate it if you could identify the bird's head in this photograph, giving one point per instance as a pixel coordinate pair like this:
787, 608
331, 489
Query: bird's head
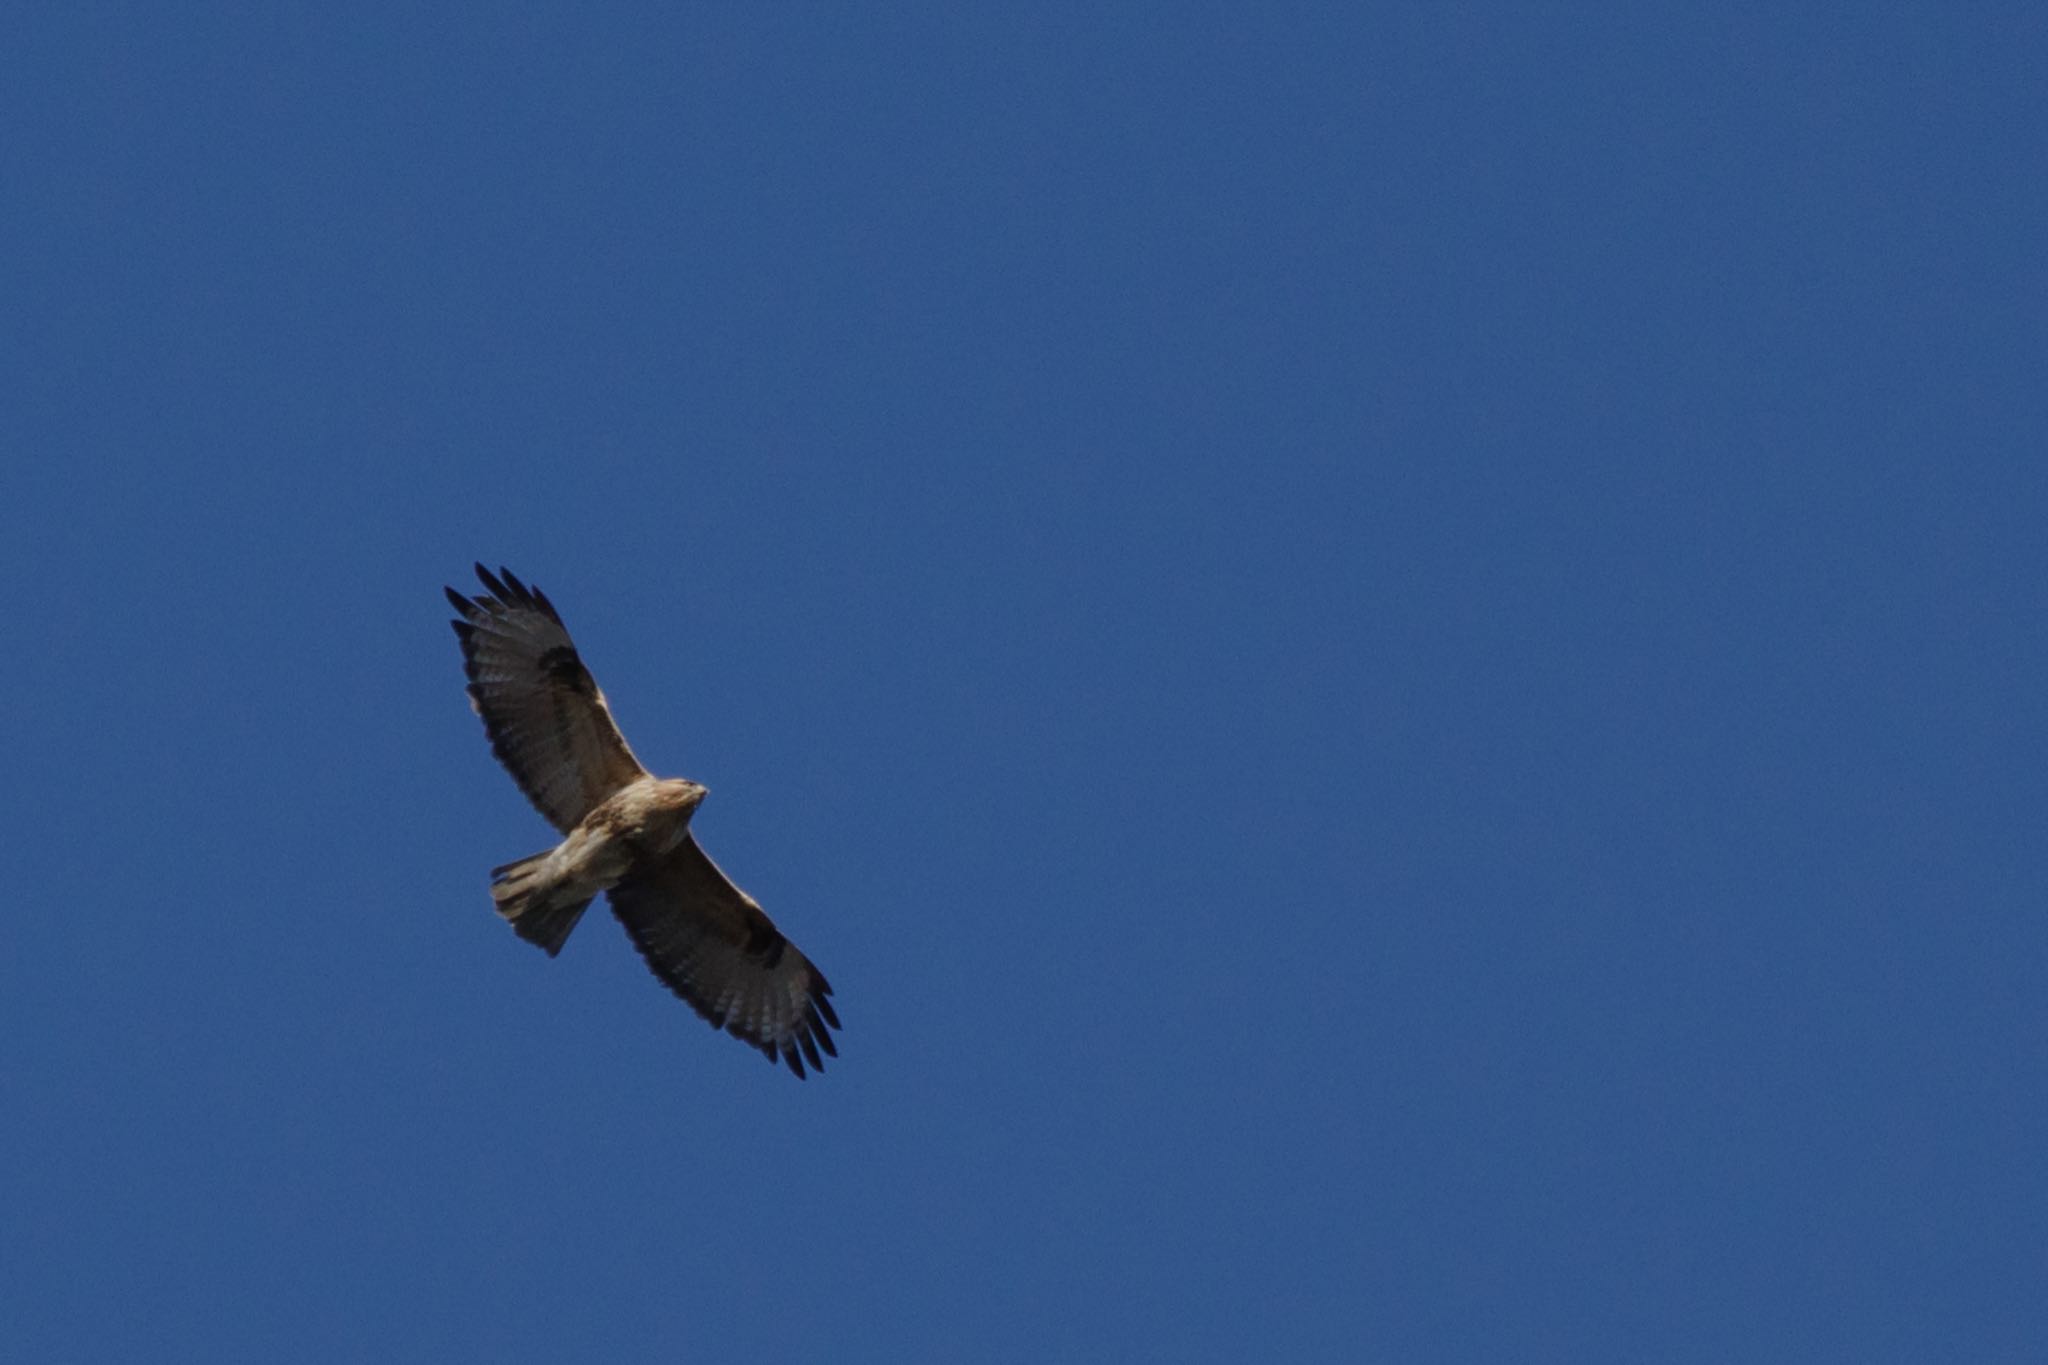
680, 793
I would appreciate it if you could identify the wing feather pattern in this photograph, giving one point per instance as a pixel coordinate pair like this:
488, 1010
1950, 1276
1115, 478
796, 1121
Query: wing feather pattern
547, 720
709, 942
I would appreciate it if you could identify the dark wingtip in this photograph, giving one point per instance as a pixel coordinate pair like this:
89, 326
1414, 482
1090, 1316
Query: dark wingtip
820, 1032
508, 589
459, 602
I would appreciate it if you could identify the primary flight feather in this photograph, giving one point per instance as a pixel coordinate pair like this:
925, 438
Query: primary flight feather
626, 834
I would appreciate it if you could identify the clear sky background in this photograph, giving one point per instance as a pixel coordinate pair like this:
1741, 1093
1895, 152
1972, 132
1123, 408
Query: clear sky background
1393, 655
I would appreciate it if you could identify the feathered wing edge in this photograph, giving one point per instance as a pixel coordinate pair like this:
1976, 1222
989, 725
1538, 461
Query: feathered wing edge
711, 944
546, 719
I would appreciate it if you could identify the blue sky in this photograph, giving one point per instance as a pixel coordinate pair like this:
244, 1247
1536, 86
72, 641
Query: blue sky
1392, 654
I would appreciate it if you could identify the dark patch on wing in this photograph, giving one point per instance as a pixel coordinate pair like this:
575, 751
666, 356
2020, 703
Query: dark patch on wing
565, 669
765, 941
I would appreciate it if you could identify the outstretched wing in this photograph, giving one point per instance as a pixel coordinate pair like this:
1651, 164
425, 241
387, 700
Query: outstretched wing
709, 943
546, 719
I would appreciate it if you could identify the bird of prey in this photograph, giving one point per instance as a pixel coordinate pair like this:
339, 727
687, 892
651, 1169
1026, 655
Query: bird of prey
626, 834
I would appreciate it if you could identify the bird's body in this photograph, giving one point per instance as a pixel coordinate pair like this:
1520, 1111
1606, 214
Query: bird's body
543, 896
626, 835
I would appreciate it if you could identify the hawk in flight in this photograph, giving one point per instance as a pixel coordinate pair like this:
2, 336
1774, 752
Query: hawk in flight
626, 833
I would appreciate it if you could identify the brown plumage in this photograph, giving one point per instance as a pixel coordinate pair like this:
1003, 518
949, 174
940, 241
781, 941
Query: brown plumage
626, 834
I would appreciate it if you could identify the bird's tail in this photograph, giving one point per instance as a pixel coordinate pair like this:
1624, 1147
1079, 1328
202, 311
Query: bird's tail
527, 899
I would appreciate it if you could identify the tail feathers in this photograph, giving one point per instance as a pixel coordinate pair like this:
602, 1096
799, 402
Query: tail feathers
527, 901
